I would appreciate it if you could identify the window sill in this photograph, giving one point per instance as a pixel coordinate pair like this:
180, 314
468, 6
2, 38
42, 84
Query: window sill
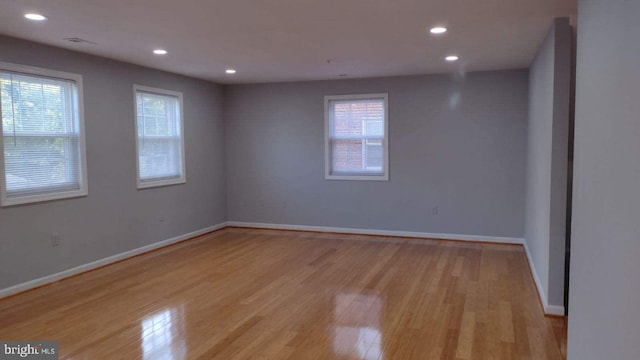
160, 183
42, 198
358, 177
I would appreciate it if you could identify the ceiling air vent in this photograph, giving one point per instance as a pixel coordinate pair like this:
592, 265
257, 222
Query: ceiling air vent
79, 41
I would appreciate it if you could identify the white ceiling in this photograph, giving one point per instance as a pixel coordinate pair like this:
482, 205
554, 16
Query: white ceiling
284, 40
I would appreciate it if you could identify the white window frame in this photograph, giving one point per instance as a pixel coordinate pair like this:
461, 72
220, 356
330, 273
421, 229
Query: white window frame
82, 153
161, 182
327, 141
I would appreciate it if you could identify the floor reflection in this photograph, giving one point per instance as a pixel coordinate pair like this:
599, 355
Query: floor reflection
356, 333
163, 335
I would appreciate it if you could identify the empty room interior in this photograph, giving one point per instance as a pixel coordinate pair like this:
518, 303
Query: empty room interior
320, 179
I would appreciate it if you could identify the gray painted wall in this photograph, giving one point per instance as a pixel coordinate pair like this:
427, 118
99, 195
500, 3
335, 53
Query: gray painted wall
456, 141
115, 217
547, 157
604, 321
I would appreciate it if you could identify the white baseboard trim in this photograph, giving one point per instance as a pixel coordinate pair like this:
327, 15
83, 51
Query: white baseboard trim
548, 309
102, 262
554, 310
412, 234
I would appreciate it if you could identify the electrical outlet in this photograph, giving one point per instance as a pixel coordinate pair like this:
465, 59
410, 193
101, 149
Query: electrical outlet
55, 240
435, 210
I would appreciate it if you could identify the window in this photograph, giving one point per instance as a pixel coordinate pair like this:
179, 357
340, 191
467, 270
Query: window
42, 135
160, 144
356, 143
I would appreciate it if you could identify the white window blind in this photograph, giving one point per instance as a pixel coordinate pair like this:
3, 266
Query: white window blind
159, 137
356, 137
42, 137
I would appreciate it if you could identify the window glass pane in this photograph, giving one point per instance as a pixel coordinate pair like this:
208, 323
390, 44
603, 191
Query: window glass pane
347, 155
160, 158
350, 118
38, 163
158, 115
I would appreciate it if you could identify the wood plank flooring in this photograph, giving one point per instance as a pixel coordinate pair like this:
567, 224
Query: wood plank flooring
265, 294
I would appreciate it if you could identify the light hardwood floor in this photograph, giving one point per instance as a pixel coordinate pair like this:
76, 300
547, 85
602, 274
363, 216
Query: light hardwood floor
264, 294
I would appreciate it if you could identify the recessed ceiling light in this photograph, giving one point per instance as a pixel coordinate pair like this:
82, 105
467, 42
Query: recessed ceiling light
451, 58
230, 71
438, 30
35, 17
160, 52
